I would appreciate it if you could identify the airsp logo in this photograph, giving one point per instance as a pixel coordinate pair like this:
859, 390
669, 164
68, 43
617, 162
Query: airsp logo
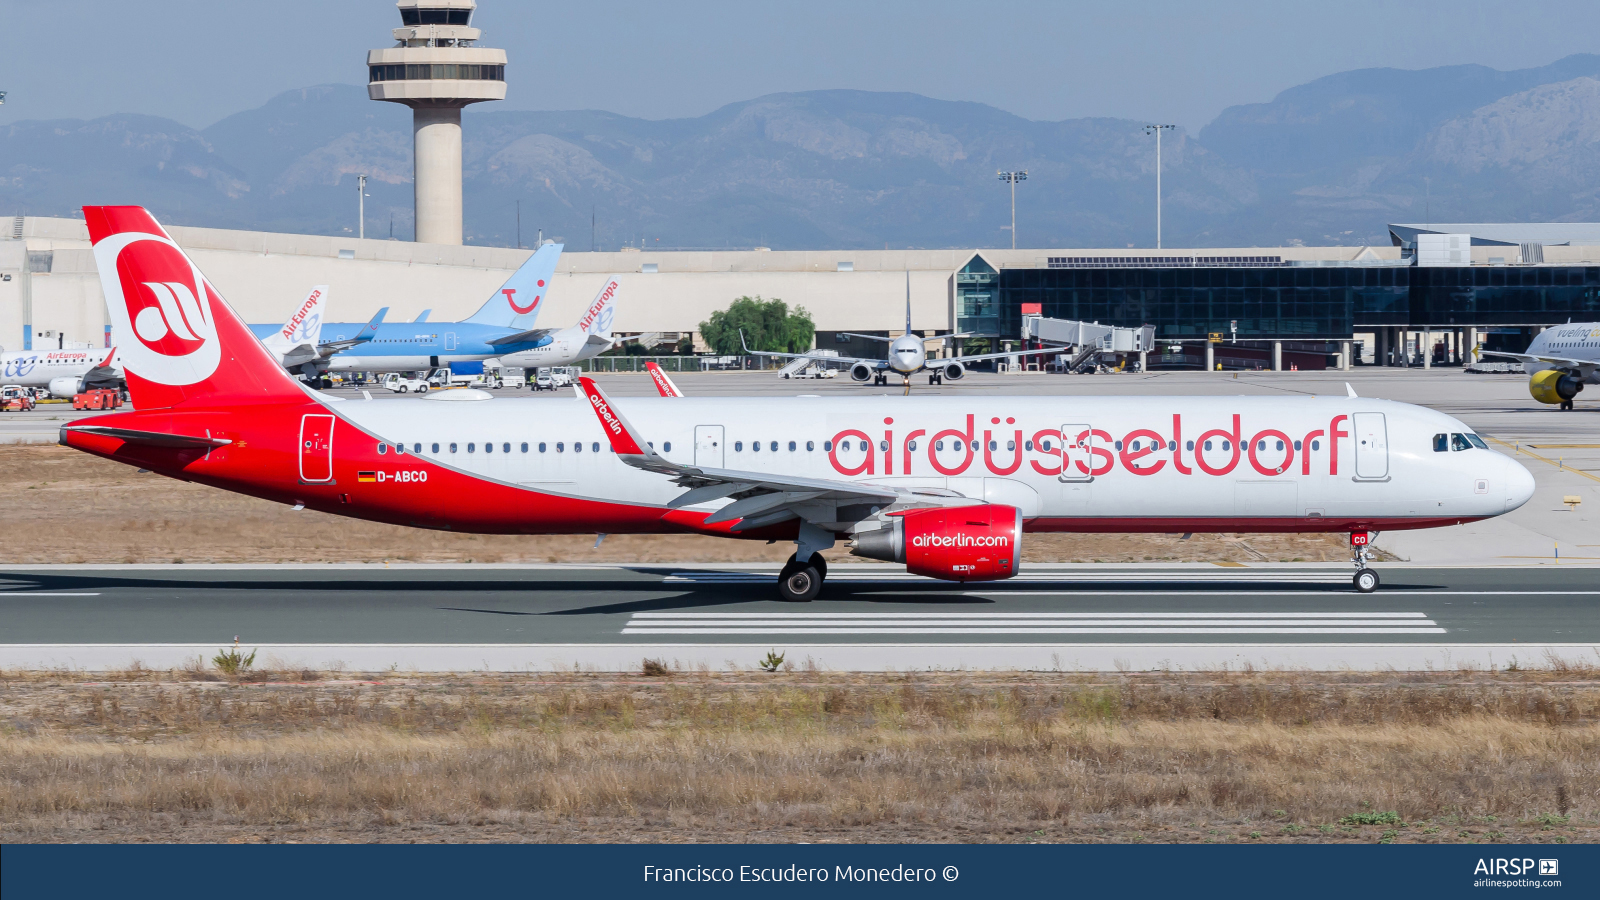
154, 294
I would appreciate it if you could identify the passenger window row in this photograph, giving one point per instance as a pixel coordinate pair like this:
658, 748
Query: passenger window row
504, 447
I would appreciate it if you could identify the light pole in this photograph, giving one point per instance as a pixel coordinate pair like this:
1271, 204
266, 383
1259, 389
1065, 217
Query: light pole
1157, 129
361, 206
1012, 178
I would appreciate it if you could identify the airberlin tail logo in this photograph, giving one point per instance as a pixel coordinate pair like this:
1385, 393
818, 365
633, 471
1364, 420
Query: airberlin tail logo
511, 298
156, 296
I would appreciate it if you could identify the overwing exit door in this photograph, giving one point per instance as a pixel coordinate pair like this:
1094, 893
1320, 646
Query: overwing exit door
449, 340
316, 448
1372, 445
708, 449
1077, 444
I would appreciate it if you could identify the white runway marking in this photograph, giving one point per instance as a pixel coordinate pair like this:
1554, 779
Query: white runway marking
1031, 623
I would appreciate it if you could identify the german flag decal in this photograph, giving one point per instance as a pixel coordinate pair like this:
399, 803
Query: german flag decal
366, 476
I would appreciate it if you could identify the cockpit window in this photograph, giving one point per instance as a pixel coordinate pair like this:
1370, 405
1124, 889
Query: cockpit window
1441, 443
1459, 441
1477, 441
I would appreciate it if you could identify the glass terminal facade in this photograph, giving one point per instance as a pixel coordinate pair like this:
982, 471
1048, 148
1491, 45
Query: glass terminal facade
1282, 302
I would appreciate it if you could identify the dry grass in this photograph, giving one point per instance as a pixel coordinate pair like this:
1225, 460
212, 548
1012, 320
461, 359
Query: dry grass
159, 520
804, 756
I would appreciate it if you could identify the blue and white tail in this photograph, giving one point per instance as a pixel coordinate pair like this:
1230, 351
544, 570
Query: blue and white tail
517, 303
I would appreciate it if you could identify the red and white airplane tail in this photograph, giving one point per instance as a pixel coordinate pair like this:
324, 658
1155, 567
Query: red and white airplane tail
180, 341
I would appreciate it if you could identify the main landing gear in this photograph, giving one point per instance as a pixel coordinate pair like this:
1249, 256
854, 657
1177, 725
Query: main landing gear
802, 576
800, 582
1366, 580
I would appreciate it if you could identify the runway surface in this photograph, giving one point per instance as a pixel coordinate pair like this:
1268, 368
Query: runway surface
871, 617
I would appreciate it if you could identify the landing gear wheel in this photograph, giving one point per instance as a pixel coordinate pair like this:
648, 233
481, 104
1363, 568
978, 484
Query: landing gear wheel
1366, 581
799, 582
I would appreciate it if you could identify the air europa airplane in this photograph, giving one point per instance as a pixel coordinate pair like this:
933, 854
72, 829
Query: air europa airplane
947, 485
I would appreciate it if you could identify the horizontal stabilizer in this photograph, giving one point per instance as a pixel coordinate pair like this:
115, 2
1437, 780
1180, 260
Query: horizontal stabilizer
147, 438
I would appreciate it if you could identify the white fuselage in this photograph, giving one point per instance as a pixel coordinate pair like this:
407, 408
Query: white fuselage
1130, 459
37, 368
907, 354
566, 347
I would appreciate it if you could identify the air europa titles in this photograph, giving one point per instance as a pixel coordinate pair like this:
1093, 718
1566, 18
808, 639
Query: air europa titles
1085, 451
292, 327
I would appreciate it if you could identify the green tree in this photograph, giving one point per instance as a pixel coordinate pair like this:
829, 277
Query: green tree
767, 325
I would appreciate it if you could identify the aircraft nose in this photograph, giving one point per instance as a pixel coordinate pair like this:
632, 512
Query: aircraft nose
1519, 484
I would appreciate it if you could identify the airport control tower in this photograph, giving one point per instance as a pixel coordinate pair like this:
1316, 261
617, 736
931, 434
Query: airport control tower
435, 68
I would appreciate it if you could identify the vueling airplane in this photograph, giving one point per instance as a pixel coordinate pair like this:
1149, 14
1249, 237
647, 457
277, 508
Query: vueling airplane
1561, 360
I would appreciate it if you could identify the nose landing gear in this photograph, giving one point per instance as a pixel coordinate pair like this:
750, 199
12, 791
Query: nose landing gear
1366, 580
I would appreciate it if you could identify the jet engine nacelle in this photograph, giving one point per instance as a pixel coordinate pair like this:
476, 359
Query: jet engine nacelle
65, 387
961, 543
861, 372
952, 371
1551, 386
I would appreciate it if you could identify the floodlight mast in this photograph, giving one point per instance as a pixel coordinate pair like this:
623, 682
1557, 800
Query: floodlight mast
1157, 129
1012, 178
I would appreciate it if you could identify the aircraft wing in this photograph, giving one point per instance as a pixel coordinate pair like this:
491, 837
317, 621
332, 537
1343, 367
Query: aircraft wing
759, 498
983, 356
1584, 367
105, 370
367, 333
850, 360
532, 334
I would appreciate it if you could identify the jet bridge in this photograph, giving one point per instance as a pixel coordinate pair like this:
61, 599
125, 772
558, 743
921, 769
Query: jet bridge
1088, 342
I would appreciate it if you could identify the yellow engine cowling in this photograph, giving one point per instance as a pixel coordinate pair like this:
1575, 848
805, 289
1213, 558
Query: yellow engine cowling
1553, 386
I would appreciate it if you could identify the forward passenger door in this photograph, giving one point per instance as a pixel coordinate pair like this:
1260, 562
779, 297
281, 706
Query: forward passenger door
1372, 445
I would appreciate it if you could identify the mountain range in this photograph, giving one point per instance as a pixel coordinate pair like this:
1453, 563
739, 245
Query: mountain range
1328, 162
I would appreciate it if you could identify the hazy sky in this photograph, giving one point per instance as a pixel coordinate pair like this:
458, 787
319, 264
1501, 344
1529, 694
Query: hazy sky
197, 61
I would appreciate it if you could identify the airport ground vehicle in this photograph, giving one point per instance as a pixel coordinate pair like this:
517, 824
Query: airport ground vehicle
98, 398
16, 398
405, 383
947, 485
552, 378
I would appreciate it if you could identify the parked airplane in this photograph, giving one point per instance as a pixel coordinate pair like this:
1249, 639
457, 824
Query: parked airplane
62, 372
419, 345
907, 356
1561, 360
566, 346
947, 485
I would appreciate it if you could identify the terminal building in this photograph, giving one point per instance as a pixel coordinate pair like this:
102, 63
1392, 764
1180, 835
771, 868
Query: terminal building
1299, 306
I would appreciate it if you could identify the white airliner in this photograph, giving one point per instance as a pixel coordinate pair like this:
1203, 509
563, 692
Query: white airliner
566, 346
949, 486
1561, 360
63, 372
907, 356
